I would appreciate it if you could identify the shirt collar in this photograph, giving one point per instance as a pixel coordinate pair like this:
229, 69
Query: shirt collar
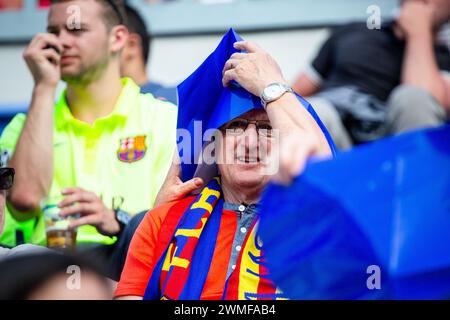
240, 208
126, 100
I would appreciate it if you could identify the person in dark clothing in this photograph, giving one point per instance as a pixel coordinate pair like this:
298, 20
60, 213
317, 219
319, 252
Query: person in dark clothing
366, 84
112, 258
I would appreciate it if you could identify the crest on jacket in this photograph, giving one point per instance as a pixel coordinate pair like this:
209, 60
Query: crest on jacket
132, 149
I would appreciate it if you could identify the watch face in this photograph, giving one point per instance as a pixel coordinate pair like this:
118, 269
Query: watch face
273, 91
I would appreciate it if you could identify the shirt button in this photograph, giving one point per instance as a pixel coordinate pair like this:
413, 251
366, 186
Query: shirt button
233, 266
238, 248
243, 229
241, 208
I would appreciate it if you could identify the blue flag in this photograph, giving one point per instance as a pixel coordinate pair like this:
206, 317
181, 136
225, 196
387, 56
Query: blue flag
203, 98
371, 223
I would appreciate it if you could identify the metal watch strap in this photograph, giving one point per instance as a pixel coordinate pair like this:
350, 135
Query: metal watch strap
122, 217
265, 102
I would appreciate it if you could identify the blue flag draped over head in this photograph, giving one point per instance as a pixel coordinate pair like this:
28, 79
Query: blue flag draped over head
202, 97
375, 217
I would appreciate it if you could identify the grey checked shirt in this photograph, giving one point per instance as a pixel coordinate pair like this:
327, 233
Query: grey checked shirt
246, 215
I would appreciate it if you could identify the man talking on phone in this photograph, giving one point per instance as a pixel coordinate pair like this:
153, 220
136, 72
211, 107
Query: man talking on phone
103, 145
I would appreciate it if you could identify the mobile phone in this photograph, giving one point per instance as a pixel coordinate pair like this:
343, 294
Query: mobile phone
49, 46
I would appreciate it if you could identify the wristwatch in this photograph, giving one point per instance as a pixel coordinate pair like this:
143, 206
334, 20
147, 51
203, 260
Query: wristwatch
122, 217
274, 92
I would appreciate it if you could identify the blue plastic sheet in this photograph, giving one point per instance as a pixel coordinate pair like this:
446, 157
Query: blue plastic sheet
386, 204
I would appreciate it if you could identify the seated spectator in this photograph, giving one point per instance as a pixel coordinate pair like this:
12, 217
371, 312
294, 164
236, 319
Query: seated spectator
134, 58
366, 84
104, 146
214, 234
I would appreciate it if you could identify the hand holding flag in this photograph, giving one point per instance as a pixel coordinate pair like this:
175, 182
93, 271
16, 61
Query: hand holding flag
253, 69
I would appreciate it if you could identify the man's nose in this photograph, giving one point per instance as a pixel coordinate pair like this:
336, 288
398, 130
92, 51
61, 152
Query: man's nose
65, 37
250, 137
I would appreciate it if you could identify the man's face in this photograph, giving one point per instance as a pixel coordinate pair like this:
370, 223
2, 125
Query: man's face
241, 156
87, 48
2, 210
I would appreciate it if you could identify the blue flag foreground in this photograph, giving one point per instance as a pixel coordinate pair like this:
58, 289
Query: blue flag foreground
371, 223
202, 99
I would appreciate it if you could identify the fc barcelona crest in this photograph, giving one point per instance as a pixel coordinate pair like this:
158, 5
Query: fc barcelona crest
132, 149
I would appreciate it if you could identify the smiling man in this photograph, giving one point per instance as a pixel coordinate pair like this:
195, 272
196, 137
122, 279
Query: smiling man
104, 146
206, 246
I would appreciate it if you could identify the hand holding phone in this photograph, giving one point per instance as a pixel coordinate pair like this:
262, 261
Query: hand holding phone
43, 57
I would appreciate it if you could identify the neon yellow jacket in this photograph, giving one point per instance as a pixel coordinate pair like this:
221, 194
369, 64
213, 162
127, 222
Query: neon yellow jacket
124, 155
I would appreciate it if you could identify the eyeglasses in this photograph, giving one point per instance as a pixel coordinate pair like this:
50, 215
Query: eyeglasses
238, 127
6, 178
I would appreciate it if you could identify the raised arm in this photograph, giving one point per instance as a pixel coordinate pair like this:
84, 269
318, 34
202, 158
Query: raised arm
254, 71
33, 155
305, 86
298, 131
420, 67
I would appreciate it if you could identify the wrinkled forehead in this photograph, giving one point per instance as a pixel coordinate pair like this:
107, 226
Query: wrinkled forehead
254, 114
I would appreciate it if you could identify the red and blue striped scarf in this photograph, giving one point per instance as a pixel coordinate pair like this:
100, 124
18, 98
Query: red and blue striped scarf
250, 279
188, 244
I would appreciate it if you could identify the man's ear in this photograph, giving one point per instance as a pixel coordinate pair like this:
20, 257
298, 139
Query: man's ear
118, 38
134, 43
132, 47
